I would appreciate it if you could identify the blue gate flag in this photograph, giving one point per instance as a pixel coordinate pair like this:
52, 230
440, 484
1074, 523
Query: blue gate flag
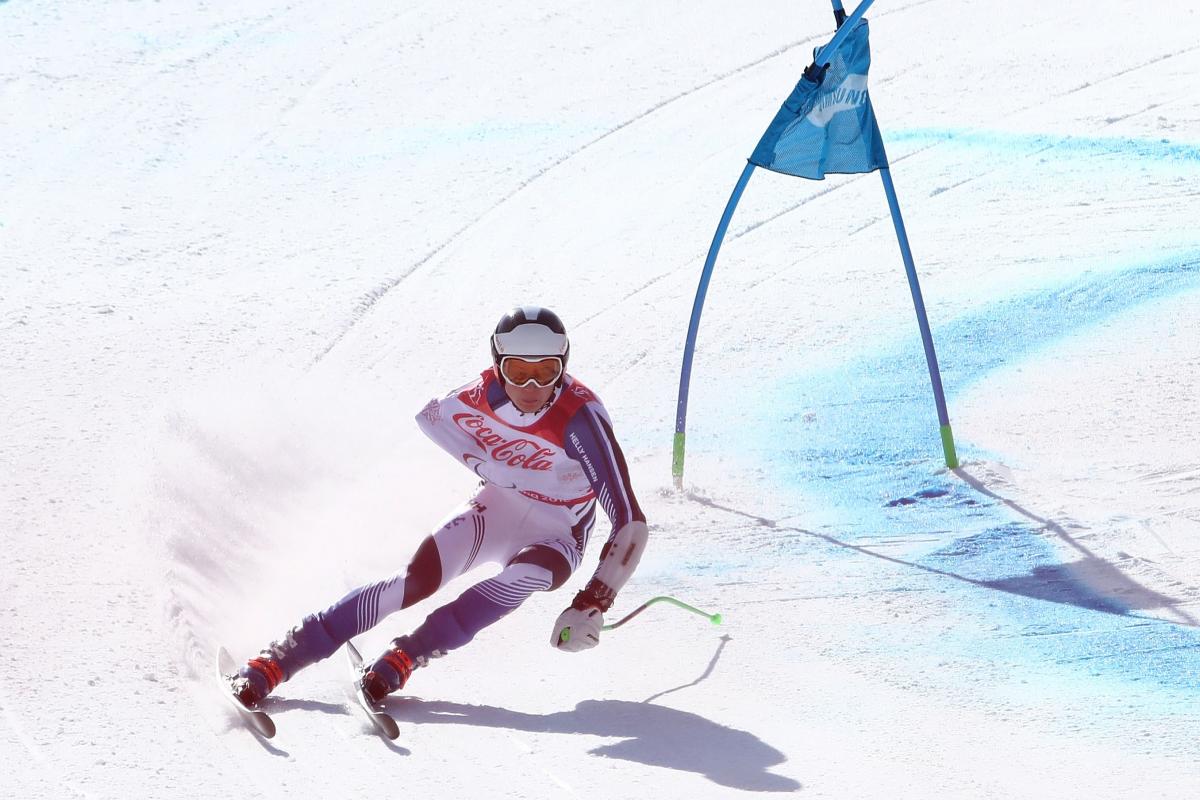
827, 123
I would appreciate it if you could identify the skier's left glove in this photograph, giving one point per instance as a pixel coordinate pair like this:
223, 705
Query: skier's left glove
578, 627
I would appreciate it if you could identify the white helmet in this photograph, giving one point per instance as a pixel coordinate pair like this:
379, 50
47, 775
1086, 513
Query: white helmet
530, 332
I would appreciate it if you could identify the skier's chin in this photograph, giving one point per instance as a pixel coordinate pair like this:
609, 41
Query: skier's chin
528, 398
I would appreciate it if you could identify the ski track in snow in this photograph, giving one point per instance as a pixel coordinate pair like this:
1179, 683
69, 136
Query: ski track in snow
369, 301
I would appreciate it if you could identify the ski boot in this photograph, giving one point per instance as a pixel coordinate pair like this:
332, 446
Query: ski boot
257, 679
390, 672
304, 644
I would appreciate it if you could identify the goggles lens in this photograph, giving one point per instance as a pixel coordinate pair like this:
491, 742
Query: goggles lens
542, 372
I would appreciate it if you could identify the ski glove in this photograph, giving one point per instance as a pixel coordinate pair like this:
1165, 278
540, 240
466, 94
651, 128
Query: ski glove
577, 629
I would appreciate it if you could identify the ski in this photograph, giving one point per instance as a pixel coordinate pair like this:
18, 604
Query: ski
258, 721
383, 722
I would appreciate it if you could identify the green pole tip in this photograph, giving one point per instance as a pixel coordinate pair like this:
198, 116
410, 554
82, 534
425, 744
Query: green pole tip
716, 619
948, 447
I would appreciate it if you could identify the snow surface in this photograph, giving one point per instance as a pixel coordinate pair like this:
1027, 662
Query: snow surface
241, 244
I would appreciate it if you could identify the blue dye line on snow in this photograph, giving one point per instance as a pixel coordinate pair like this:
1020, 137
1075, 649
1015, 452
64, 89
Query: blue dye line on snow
1163, 151
866, 449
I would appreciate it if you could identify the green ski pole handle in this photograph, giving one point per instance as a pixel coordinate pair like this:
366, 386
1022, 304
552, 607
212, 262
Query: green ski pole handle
565, 635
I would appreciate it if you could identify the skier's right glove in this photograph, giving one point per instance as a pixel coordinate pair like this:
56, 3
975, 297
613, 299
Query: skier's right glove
578, 627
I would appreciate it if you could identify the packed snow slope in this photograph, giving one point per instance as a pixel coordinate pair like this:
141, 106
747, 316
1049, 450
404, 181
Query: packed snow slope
241, 244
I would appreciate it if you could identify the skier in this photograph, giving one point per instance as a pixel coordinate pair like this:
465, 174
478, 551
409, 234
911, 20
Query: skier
544, 447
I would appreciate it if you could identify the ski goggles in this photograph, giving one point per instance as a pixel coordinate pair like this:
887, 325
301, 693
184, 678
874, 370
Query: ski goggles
542, 372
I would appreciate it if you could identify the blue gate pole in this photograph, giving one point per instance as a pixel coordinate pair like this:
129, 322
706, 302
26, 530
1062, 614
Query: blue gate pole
914, 286
689, 347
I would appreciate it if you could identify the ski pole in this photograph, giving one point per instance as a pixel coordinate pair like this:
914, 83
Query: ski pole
715, 619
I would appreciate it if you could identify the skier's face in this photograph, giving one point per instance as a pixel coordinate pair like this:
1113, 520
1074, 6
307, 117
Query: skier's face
528, 398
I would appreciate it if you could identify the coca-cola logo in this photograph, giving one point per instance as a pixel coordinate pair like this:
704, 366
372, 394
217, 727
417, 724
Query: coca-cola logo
523, 453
